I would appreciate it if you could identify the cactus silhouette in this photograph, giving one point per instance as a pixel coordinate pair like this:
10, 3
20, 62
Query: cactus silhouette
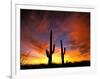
51, 50
62, 52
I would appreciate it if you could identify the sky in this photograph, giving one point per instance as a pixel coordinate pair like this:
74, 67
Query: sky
73, 28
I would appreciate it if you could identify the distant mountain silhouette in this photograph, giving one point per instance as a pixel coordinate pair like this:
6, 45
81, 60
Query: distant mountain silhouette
54, 65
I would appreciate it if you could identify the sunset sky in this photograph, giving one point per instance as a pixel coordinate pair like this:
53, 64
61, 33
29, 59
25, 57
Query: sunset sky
73, 28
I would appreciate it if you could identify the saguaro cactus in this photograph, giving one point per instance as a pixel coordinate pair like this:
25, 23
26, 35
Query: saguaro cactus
62, 52
51, 50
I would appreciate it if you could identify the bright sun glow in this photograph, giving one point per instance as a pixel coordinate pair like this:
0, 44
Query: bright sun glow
56, 58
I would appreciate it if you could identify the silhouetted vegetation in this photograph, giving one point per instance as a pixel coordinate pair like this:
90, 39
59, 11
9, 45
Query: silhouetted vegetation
51, 50
53, 65
62, 51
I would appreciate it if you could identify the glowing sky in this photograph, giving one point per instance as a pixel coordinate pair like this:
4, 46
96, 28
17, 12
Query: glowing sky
71, 27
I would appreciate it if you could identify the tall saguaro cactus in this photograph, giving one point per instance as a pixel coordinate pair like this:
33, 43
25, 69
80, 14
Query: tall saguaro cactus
62, 52
51, 50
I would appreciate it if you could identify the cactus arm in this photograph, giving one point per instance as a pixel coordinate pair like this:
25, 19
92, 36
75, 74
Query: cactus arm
47, 53
64, 50
53, 48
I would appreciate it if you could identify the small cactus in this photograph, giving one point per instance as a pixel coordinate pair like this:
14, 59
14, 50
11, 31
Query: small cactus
62, 52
